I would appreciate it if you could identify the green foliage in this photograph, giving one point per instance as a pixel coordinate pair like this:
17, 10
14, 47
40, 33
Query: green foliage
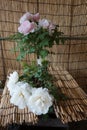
38, 76
37, 42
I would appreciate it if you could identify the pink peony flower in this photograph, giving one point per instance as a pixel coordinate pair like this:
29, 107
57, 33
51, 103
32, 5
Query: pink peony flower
26, 27
36, 17
26, 16
44, 23
51, 26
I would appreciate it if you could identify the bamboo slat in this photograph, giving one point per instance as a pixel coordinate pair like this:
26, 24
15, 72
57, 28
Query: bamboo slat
74, 108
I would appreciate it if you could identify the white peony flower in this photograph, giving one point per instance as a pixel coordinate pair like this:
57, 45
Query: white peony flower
11, 87
21, 94
13, 77
40, 101
12, 80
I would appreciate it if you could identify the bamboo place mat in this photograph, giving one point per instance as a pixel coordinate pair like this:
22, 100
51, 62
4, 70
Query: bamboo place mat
74, 108
12, 114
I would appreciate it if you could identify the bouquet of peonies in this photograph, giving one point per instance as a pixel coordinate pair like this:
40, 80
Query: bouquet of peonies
34, 88
36, 35
23, 95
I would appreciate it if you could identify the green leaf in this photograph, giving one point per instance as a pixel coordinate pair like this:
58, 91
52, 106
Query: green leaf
31, 50
22, 54
44, 53
44, 43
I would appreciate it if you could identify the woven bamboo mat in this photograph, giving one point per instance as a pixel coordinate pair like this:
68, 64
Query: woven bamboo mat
72, 109
12, 114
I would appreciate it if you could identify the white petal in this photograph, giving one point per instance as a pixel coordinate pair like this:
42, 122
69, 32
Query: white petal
40, 101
